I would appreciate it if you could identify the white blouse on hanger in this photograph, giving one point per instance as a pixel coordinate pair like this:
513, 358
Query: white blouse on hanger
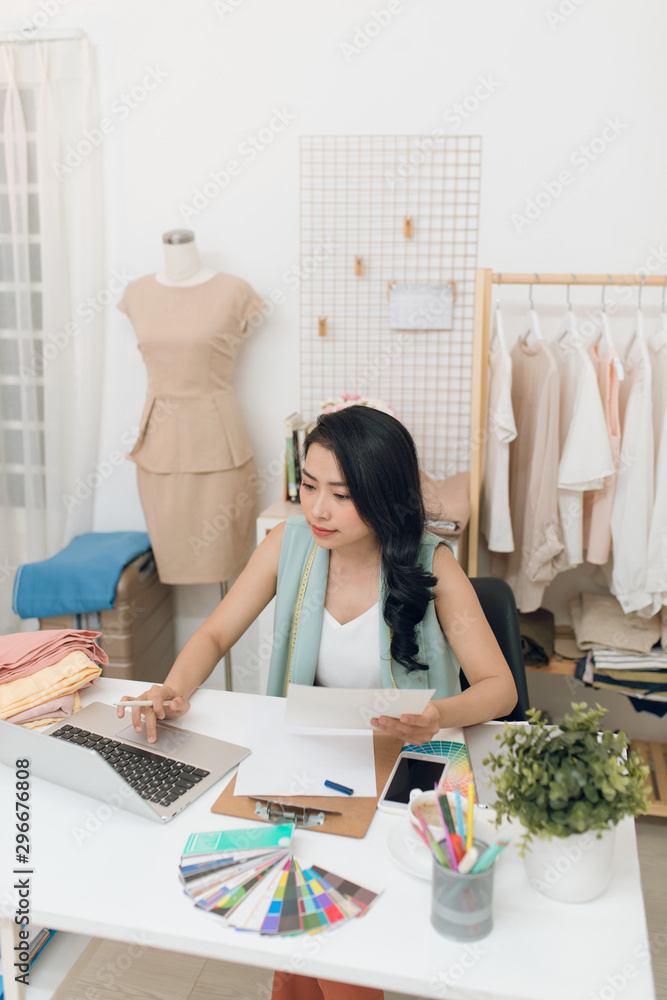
585, 454
495, 519
538, 540
656, 576
633, 504
598, 504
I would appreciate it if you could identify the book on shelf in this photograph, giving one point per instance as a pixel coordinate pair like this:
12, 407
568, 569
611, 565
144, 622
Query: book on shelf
38, 938
295, 432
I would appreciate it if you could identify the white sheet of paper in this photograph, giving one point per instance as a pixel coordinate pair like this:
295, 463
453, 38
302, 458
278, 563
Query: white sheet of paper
283, 763
421, 306
349, 708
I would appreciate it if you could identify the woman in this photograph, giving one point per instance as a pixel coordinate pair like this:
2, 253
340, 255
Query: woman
358, 559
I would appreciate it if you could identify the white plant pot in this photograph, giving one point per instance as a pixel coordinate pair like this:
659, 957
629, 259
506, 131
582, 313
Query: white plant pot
571, 869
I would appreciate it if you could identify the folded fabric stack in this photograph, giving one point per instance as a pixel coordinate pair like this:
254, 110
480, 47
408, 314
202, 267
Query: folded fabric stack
641, 676
41, 674
624, 651
599, 620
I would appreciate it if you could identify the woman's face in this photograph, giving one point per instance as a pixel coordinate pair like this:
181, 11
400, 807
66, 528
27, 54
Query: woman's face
327, 504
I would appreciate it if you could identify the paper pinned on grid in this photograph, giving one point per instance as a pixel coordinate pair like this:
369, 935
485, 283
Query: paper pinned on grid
421, 307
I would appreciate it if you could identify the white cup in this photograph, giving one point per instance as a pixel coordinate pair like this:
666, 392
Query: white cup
425, 803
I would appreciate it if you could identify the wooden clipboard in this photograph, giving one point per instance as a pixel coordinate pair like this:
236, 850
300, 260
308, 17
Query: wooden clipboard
356, 812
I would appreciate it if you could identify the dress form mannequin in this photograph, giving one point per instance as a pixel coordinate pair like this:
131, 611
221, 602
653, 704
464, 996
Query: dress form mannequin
183, 267
194, 458
182, 264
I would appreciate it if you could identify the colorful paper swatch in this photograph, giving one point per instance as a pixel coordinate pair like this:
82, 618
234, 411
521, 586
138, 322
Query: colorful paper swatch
459, 768
263, 888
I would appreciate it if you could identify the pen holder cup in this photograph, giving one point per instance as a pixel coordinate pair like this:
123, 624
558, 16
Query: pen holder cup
462, 905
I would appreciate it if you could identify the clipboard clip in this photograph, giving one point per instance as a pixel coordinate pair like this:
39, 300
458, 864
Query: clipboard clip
274, 811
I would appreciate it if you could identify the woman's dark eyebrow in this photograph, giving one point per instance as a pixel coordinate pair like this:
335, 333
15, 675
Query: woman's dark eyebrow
305, 473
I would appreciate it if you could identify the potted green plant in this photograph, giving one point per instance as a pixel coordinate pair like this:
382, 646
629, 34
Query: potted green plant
568, 785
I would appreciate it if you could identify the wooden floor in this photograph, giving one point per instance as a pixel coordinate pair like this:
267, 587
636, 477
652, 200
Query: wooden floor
108, 971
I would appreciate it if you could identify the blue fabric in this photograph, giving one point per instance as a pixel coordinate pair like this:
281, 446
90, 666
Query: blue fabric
80, 578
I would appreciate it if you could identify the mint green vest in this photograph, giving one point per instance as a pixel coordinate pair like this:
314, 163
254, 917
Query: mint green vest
297, 544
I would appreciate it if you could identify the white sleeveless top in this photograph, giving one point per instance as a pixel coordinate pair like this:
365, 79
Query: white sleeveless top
349, 655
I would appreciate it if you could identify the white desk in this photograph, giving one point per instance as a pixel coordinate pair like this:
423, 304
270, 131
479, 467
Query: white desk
117, 877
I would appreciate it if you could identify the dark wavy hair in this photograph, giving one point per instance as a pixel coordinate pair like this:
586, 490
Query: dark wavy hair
378, 459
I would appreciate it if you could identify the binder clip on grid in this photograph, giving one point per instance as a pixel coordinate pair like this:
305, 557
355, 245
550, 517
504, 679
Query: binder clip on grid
274, 811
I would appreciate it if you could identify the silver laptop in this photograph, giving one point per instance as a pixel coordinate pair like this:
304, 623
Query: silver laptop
480, 741
96, 753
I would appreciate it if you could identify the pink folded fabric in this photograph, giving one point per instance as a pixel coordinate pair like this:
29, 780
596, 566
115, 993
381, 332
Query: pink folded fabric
23, 653
59, 708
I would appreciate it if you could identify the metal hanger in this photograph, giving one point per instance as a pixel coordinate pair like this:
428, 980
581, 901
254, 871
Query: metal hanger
640, 316
606, 332
498, 330
663, 310
638, 332
569, 321
533, 319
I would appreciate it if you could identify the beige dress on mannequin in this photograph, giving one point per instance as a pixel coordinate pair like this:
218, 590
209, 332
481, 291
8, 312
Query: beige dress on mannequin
194, 460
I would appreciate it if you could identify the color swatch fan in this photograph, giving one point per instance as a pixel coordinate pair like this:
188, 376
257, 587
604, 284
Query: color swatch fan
459, 768
252, 880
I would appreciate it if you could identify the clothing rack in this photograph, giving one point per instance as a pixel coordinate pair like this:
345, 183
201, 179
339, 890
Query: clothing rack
485, 278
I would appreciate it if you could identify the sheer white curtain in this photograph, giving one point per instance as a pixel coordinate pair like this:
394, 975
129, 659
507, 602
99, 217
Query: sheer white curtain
52, 298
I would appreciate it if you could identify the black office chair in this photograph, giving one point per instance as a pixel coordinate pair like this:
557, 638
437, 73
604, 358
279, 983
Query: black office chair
498, 605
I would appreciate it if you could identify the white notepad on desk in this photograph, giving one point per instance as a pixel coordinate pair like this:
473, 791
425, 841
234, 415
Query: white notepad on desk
349, 708
286, 763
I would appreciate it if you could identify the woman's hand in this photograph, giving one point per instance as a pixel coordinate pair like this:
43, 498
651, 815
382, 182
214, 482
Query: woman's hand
167, 704
414, 728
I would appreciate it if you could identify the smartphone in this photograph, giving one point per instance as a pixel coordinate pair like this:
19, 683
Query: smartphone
411, 770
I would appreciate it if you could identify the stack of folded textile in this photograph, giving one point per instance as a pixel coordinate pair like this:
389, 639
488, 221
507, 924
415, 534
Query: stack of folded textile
625, 653
41, 674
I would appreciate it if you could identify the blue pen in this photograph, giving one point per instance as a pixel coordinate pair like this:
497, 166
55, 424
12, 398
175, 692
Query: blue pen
339, 788
459, 813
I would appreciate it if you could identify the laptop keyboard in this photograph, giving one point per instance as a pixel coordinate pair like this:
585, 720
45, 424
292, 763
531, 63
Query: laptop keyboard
158, 779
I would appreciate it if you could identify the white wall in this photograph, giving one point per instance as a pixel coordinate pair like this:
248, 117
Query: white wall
549, 80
